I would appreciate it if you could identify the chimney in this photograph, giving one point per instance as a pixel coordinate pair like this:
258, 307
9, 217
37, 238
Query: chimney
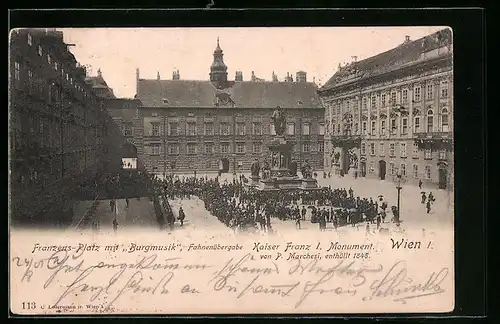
158, 76
301, 76
407, 38
99, 73
239, 76
175, 75
137, 74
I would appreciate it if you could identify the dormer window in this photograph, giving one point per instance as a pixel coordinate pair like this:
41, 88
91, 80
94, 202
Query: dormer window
39, 49
30, 39
165, 101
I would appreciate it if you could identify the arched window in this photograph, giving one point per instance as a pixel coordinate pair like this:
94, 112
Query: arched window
444, 120
430, 121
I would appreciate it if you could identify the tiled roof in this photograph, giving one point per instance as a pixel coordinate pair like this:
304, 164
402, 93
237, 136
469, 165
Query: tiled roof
405, 53
245, 94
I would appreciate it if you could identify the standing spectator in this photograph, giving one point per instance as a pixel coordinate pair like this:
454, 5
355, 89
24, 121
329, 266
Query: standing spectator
182, 216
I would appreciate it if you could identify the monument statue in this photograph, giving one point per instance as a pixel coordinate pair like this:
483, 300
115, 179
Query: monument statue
279, 121
306, 170
255, 168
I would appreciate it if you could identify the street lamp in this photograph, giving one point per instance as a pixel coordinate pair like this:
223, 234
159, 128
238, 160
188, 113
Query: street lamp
399, 181
234, 164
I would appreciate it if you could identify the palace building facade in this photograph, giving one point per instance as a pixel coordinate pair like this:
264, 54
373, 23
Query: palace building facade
393, 114
219, 124
59, 129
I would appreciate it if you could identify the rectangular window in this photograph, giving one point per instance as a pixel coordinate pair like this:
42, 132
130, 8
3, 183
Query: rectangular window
402, 149
272, 131
417, 125
428, 172
372, 148
225, 129
240, 148
364, 128
430, 123
374, 129
430, 91
415, 171
191, 129
415, 150
49, 59
224, 148
291, 129
374, 102
56, 66
381, 149
442, 154
392, 149
444, 122
39, 50
17, 71
173, 148
240, 129
417, 94
404, 127
393, 98
321, 146
173, 129
30, 39
372, 167
209, 129
155, 149
403, 169
209, 148
383, 100
428, 153
128, 130
382, 127
306, 130
363, 148
356, 128
405, 96
365, 103
392, 168
306, 147
393, 126
191, 148
257, 128
322, 129
257, 147
444, 89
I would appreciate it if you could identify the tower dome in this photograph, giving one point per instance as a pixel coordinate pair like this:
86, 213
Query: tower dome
218, 70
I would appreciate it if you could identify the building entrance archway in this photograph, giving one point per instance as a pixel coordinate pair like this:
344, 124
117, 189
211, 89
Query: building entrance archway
381, 169
363, 168
224, 165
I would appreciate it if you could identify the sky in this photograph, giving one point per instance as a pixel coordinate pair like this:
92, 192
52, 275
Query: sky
118, 52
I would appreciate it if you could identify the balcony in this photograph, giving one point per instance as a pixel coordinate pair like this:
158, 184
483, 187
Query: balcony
347, 141
433, 136
443, 138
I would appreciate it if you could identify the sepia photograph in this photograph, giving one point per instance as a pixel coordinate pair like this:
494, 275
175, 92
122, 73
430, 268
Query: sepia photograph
151, 165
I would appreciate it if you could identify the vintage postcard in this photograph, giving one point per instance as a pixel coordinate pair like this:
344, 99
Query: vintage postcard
231, 170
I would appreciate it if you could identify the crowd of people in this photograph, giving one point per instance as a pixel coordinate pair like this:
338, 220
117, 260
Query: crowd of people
246, 209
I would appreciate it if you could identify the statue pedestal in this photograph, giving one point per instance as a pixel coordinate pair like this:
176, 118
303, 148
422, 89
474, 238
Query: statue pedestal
309, 183
254, 181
